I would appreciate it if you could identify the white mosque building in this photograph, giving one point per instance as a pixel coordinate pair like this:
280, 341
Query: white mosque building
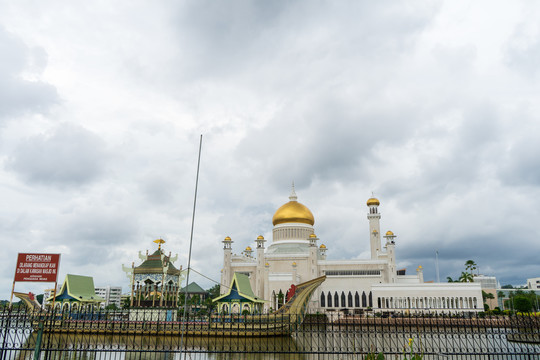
352, 285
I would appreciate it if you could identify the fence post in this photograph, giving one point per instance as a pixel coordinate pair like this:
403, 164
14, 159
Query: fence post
37, 350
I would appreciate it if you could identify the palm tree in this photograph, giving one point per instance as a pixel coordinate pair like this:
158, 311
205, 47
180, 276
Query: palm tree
470, 265
466, 277
449, 279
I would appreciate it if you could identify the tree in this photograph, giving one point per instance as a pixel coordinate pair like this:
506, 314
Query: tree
470, 266
509, 286
522, 303
486, 296
213, 291
466, 277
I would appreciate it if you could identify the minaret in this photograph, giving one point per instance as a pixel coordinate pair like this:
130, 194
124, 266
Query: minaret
226, 275
322, 251
374, 227
259, 280
391, 256
313, 258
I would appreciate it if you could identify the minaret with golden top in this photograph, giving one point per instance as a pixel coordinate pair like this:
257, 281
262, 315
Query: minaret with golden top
374, 227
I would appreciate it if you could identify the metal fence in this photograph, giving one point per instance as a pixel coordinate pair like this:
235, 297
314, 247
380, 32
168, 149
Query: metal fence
145, 334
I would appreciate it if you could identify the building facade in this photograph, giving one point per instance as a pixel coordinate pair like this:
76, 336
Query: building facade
111, 294
533, 283
296, 255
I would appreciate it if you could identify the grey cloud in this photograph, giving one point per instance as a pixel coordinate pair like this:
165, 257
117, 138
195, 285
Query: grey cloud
18, 95
522, 54
223, 40
70, 156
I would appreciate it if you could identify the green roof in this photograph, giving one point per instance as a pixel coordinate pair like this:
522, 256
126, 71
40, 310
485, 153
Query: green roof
79, 287
154, 262
193, 288
240, 282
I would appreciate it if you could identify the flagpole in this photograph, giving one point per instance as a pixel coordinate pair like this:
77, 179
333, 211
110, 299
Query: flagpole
190, 245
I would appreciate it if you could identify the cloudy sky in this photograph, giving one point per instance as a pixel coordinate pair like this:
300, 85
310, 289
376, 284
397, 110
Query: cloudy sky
433, 106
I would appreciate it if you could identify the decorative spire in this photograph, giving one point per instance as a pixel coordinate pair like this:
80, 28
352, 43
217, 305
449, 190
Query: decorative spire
159, 241
293, 196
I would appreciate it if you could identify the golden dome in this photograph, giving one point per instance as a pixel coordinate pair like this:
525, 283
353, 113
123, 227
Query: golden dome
293, 212
260, 237
373, 201
389, 233
248, 248
267, 264
312, 236
294, 263
322, 246
228, 238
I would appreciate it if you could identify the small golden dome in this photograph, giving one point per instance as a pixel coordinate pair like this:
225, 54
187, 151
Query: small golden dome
248, 248
322, 246
389, 233
228, 238
293, 212
312, 236
260, 237
373, 201
267, 264
294, 263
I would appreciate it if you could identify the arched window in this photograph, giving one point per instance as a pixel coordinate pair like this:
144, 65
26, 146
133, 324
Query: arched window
356, 300
349, 300
370, 300
322, 299
343, 303
364, 299
329, 297
336, 299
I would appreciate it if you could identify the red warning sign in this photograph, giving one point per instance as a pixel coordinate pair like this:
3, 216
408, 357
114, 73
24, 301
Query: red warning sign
37, 267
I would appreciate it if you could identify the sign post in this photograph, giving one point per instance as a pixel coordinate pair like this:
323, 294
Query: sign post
36, 268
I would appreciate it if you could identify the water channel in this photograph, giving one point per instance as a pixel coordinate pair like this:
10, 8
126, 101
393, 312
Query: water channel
310, 342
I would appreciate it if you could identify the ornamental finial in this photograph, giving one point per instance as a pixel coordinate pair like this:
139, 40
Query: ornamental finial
293, 196
159, 242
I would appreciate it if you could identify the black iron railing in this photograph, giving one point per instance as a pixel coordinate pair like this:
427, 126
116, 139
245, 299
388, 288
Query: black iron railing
155, 334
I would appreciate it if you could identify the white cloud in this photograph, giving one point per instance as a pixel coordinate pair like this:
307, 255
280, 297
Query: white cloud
432, 106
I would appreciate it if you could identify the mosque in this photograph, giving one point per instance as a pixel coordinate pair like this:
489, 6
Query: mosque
352, 285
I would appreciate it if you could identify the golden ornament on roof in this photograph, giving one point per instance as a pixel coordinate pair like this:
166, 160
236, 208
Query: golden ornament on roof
322, 246
373, 201
260, 237
228, 238
389, 233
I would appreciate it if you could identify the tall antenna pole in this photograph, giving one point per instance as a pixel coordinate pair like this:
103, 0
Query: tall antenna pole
437, 265
183, 328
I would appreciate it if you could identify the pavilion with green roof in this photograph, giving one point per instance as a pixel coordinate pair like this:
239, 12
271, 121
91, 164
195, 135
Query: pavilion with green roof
156, 281
77, 292
239, 297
